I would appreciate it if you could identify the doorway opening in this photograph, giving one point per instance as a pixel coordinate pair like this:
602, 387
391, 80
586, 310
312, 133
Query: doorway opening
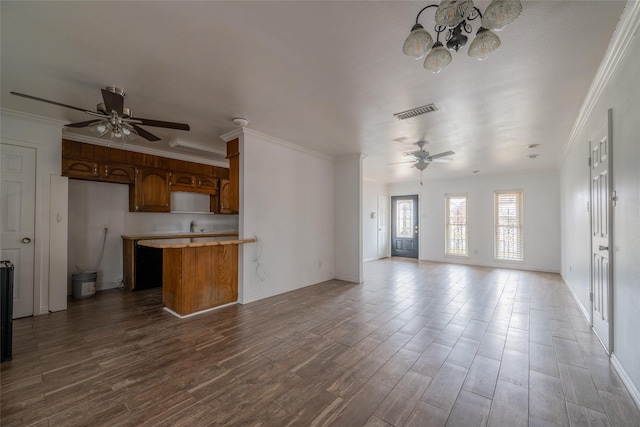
404, 226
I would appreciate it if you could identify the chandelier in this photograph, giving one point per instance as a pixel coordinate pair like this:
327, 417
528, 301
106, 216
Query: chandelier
452, 17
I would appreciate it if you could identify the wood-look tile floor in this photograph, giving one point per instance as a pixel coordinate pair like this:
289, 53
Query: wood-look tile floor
418, 344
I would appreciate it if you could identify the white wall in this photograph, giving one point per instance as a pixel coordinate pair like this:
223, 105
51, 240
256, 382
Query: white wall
616, 87
96, 205
370, 193
287, 202
348, 219
541, 218
44, 135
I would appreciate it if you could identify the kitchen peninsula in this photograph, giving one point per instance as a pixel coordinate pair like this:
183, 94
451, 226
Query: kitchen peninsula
198, 273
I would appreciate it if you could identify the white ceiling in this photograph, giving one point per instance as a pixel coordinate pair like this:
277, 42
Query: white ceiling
327, 75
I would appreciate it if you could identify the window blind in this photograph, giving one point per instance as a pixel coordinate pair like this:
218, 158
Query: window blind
509, 242
456, 225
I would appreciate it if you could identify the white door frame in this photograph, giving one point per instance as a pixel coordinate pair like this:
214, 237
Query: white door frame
383, 213
604, 131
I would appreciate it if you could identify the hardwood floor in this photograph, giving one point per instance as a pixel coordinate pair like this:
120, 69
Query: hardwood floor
418, 344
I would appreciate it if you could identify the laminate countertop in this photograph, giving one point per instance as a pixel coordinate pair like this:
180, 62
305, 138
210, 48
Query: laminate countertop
178, 235
194, 242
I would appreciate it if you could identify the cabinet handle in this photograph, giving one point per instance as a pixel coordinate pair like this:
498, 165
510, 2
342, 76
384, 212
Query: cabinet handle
106, 170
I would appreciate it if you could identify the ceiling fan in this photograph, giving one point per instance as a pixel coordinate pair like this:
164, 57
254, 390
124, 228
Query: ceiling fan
422, 158
113, 118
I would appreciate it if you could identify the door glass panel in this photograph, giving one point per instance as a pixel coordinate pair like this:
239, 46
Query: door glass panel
404, 218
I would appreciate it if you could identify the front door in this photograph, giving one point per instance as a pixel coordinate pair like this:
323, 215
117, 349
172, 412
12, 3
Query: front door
17, 208
601, 227
404, 226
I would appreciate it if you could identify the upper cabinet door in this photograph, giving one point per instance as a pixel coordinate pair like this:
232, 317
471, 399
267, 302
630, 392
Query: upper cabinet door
152, 191
233, 154
183, 181
81, 169
117, 173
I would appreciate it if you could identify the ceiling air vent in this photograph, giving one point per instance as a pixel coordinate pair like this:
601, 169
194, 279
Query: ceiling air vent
416, 111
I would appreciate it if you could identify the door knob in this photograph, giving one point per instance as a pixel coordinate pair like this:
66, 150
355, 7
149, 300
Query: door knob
26, 240
603, 248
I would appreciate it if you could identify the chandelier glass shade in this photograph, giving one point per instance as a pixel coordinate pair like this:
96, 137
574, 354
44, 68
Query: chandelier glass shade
501, 13
453, 18
418, 42
437, 59
452, 12
486, 41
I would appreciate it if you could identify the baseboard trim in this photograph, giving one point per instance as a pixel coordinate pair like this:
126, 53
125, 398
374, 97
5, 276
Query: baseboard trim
349, 279
633, 390
198, 312
582, 308
370, 259
507, 265
277, 291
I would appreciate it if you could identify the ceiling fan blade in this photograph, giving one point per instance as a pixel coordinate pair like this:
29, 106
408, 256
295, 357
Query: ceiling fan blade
143, 133
35, 98
412, 153
438, 160
161, 124
398, 163
83, 124
113, 101
445, 154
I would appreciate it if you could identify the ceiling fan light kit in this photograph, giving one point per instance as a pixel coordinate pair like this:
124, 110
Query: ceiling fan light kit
453, 17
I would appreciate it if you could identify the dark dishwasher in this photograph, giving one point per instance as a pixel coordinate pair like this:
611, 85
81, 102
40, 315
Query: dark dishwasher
148, 267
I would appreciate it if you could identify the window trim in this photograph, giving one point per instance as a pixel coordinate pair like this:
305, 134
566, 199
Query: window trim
519, 226
447, 209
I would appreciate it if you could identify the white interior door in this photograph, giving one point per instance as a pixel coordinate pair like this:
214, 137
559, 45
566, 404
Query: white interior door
383, 225
17, 211
601, 227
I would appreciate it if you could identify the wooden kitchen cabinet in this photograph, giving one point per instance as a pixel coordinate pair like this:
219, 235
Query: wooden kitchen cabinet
229, 189
223, 197
233, 154
207, 184
151, 191
79, 169
182, 181
200, 278
150, 188
122, 174
97, 171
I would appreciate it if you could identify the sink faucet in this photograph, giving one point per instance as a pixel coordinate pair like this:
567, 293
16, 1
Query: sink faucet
192, 224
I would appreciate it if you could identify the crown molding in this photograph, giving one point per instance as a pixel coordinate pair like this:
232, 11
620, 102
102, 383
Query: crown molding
284, 143
354, 156
42, 119
616, 53
231, 135
144, 150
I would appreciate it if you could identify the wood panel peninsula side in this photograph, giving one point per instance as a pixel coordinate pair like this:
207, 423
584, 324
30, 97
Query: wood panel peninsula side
198, 273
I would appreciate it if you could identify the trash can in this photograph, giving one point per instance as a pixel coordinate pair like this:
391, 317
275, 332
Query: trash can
6, 299
84, 284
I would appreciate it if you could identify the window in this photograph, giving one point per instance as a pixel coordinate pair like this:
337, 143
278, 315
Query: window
456, 210
508, 225
404, 218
